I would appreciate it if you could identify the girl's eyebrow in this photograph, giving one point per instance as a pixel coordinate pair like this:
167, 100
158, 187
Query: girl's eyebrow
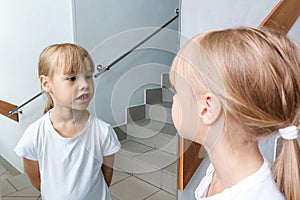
70, 74
90, 70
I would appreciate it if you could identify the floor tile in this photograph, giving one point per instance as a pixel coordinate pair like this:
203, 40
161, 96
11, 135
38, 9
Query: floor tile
118, 176
19, 198
162, 195
131, 148
132, 189
146, 141
123, 163
8, 166
170, 130
169, 179
27, 192
155, 159
2, 170
20, 181
6, 175
171, 169
114, 197
167, 143
141, 132
154, 177
6, 188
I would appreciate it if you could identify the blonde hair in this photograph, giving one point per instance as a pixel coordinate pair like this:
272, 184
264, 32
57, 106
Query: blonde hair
256, 75
66, 58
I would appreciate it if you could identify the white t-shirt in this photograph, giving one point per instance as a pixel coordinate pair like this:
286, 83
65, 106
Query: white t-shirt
70, 168
258, 186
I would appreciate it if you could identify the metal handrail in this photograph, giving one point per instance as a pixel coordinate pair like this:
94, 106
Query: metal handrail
102, 69
16, 110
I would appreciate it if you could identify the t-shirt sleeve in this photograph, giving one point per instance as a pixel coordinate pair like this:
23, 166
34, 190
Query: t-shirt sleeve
26, 147
111, 143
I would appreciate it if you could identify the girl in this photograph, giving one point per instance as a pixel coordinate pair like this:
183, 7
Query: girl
68, 153
234, 87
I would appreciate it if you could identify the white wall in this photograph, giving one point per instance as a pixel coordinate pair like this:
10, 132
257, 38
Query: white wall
108, 28
27, 27
198, 15
294, 32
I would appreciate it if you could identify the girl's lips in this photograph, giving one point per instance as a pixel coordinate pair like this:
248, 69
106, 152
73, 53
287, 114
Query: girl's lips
83, 98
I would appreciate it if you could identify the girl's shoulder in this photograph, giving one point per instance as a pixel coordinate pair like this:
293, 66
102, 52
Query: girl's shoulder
104, 134
95, 122
261, 185
41, 123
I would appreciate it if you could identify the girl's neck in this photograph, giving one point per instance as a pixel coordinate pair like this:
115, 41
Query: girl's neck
67, 115
233, 162
68, 123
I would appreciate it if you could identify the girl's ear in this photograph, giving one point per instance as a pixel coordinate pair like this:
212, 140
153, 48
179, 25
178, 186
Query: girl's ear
44, 81
210, 109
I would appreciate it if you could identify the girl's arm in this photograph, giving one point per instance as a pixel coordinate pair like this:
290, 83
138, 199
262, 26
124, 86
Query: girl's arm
107, 168
33, 172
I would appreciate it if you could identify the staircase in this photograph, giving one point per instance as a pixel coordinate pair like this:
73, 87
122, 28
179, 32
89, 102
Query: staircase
149, 143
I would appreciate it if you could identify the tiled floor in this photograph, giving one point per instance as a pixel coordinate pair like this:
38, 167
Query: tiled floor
143, 185
16, 187
151, 160
123, 187
132, 188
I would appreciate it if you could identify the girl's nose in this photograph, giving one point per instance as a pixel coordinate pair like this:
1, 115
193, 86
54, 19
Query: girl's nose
83, 83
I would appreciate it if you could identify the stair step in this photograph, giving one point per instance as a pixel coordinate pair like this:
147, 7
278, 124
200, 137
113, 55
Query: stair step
154, 134
136, 113
166, 81
145, 128
153, 96
160, 141
159, 112
150, 140
121, 132
167, 95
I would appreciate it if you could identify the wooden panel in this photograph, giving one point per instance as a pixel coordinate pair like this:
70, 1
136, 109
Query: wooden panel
283, 16
6, 107
188, 162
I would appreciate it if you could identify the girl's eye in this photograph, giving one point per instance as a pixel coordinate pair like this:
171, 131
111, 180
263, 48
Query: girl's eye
72, 78
89, 77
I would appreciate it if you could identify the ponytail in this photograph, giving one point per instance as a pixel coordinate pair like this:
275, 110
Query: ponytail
49, 104
286, 169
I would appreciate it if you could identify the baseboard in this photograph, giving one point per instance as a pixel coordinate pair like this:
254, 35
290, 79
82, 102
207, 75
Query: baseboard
12, 169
